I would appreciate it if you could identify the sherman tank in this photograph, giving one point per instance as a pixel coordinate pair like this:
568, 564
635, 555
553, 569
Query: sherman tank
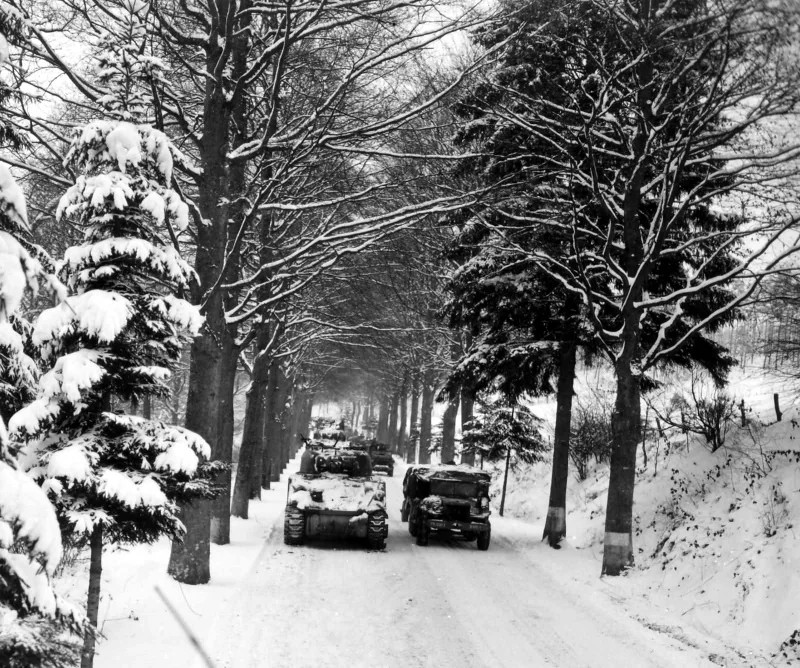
335, 495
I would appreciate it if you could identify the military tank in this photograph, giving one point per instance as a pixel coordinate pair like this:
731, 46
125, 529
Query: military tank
381, 456
335, 495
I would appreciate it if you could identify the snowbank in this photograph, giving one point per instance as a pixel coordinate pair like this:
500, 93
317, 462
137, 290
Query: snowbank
137, 628
715, 534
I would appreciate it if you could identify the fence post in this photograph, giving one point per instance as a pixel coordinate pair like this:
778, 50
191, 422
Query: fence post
744, 419
778, 413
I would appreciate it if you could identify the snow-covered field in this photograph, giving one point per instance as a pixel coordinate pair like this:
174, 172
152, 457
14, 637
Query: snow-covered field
716, 581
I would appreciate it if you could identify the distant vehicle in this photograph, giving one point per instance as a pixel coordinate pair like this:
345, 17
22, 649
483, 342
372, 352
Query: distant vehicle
448, 500
330, 434
334, 494
382, 460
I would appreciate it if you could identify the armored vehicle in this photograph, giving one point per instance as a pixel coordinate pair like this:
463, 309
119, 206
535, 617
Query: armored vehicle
382, 460
447, 500
334, 494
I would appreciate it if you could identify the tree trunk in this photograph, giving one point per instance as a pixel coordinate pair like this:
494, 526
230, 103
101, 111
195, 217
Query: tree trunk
626, 421
467, 402
627, 418
270, 451
279, 423
207, 408
258, 456
413, 427
220, 530
93, 599
448, 453
147, 407
505, 481
383, 419
403, 421
428, 391
391, 435
251, 436
449, 430
189, 559
555, 527
467, 407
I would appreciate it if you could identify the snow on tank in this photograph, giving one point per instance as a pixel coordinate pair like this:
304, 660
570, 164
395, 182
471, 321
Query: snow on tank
332, 491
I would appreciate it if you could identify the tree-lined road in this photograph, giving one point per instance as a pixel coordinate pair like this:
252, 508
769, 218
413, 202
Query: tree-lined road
333, 603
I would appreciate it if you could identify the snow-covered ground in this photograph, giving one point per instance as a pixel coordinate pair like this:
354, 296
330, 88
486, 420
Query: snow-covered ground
333, 603
717, 542
716, 581
138, 629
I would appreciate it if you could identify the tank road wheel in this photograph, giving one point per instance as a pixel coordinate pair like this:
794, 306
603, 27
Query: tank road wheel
484, 539
294, 526
423, 532
376, 531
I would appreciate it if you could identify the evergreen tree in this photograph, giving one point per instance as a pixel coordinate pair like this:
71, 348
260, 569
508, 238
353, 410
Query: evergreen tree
114, 477
35, 624
500, 428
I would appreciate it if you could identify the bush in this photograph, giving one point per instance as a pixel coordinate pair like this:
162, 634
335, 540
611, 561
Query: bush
590, 437
707, 411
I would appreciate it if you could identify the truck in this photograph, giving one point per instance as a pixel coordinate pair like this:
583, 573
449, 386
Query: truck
447, 500
334, 494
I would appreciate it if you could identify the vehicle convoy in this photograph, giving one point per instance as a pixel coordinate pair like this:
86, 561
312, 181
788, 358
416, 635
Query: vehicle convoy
382, 460
448, 500
334, 494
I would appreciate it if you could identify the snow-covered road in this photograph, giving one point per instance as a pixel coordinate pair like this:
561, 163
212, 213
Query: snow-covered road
331, 604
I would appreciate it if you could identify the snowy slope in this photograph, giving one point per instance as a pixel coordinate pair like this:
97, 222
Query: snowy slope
717, 541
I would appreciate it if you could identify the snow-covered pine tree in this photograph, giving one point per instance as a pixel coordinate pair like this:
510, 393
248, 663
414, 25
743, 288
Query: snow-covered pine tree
504, 426
35, 624
500, 428
117, 478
